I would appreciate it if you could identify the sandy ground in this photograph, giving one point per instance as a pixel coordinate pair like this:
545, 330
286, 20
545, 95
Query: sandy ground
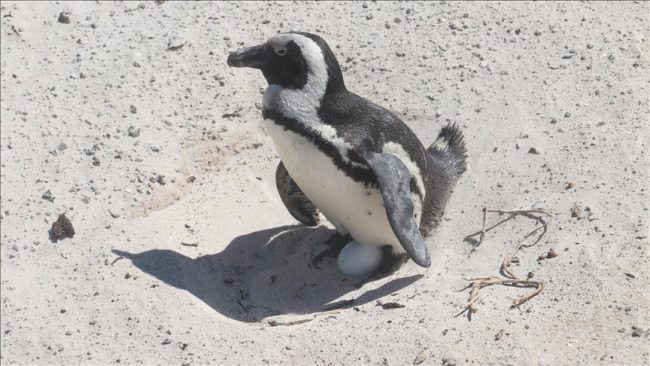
146, 145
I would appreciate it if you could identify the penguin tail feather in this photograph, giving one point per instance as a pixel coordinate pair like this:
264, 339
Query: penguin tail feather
450, 148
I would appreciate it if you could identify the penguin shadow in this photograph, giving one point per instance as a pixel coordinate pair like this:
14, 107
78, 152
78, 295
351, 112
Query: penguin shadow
264, 273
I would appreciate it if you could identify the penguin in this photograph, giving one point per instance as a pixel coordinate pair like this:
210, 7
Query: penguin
349, 159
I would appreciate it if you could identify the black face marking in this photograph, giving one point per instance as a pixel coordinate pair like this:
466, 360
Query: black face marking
288, 70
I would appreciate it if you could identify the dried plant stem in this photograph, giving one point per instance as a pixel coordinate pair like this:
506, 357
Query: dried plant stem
480, 240
521, 212
511, 279
480, 282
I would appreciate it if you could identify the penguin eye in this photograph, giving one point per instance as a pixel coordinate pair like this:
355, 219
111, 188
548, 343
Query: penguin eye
280, 51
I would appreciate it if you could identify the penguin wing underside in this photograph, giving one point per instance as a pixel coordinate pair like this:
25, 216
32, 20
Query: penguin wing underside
299, 206
394, 183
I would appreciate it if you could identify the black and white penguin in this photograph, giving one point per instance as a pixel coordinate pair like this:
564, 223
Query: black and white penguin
350, 159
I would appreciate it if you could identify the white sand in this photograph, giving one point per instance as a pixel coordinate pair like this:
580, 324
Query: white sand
569, 79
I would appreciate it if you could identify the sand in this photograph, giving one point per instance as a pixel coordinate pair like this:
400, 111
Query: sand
128, 120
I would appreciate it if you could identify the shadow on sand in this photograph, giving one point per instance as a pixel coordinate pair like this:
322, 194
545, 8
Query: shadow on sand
262, 274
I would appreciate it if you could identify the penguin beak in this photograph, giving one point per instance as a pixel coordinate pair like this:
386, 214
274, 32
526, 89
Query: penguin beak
254, 57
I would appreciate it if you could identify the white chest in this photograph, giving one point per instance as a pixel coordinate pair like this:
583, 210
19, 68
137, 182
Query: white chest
341, 199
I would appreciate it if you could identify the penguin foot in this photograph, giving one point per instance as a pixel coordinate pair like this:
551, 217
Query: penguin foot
336, 244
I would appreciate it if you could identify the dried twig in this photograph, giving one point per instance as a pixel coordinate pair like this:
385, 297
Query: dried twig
177, 47
522, 212
511, 279
116, 259
480, 282
190, 244
275, 323
480, 240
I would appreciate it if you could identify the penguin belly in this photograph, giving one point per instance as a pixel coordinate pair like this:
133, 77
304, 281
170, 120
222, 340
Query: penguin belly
359, 209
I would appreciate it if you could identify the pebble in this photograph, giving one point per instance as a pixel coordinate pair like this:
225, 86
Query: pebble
64, 17
48, 196
567, 114
133, 109
455, 25
533, 151
161, 179
133, 132
62, 146
421, 357
449, 361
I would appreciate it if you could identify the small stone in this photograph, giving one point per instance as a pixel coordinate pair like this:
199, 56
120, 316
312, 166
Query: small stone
499, 335
448, 361
68, 333
64, 17
96, 161
590, 46
636, 331
552, 254
63, 311
576, 211
537, 33
133, 132
611, 58
127, 275
569, 185
133, 109
455, 25
397, 20
166, 342
161, 179
421, 357
266, 21
553, 121
82, 75
48, 196
136, 64
567, 114
61, 228
533, 151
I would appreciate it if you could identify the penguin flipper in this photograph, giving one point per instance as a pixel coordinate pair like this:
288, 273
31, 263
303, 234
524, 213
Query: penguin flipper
299, 206
394, 183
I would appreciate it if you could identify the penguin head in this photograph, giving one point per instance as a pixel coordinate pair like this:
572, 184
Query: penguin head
293, 60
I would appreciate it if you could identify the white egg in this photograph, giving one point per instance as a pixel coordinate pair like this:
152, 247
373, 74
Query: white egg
359, 260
